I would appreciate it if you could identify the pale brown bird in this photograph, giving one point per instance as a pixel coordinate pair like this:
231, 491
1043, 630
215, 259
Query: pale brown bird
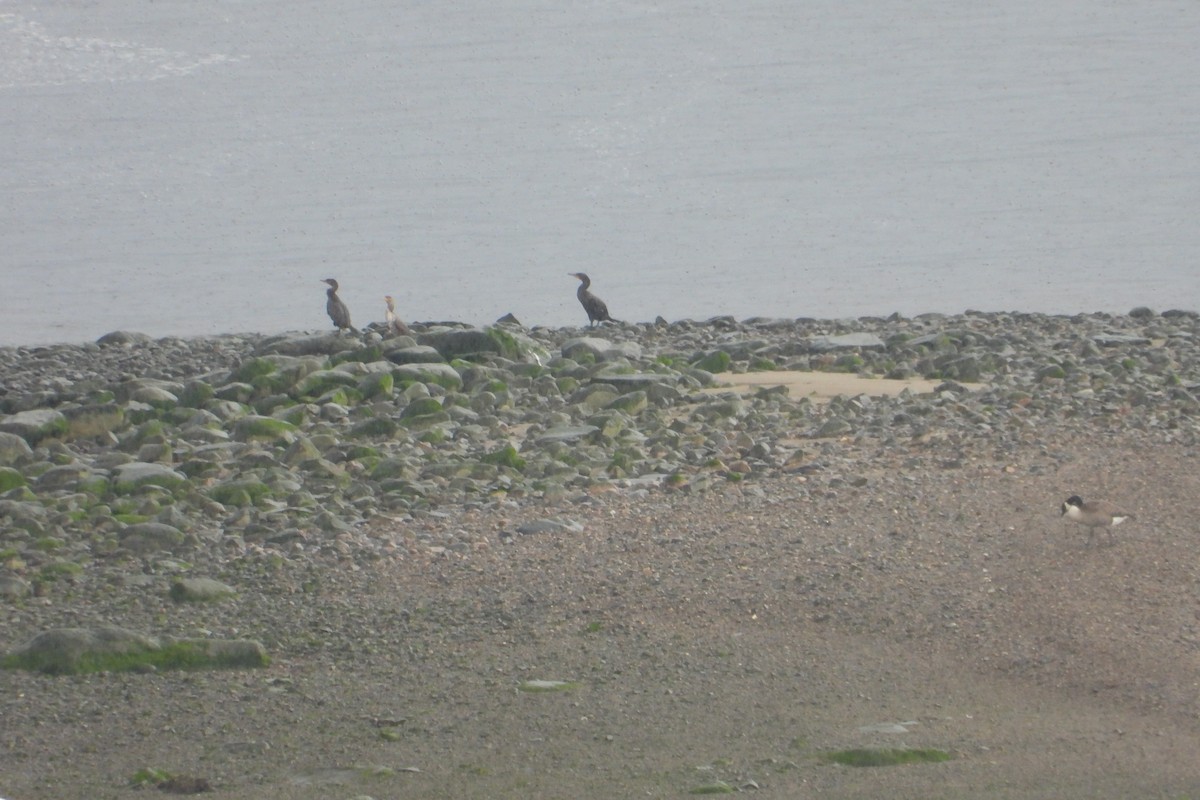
1094, 514
395, 325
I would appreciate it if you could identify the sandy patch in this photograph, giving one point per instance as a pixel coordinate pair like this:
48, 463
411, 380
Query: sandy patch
821, 386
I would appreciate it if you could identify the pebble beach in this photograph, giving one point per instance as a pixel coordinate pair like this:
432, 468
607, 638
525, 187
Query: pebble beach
130, 464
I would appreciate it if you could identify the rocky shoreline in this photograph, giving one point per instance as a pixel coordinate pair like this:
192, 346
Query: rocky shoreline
752, 543
161, 450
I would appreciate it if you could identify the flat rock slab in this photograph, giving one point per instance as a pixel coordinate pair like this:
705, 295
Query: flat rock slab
821, 386
846, 341
67, 651
550, 526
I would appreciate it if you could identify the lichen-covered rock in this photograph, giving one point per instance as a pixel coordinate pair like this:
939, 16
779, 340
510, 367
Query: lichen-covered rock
307, 344
129, 477
714, 362
10, 479
632, 403
442, 375
594, 397
597, 349
851, 341
421, 407
470, 343
255, 428
66, 651
151, 537
69, 651
414, 354
240, 492
323, 381
376, 385
200, 590
65, 476
196, 393
300, 451
394, 468
236, 391
376, 428
13, 587
13, 448
506, 456
36, 425
88, 421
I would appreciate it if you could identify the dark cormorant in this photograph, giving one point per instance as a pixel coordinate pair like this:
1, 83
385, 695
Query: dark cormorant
594, 306
336, 308
395, 325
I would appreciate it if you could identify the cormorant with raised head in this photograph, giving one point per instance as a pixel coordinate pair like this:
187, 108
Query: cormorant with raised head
395, 325
336, 308
594, 306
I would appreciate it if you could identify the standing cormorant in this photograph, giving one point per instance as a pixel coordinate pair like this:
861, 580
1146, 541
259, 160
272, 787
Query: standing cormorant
594, 306
336, 308
395, 325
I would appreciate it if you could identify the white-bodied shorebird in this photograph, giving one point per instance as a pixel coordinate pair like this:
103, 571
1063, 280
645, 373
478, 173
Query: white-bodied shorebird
1094, 514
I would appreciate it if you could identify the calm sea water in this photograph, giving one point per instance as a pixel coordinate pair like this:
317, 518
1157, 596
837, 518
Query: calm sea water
184, 168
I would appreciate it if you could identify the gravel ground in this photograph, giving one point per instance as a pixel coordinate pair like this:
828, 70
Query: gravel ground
733, 636
907, 584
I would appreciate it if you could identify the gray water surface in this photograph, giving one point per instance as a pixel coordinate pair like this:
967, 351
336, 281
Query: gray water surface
185, 168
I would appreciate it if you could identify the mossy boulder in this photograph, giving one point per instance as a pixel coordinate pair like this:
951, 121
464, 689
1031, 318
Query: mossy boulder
362, 355
72, 651
506, 456
66, 651
343, 396
151, 537
714, 362
36, 425
89, 421
156, 397
255, 428
10, 479
1051, 371
418, 354
471, 343
253, 370
13, 448
65, 477
421, 407
195, 394
594, 396
326, 471
128, 478
200, 590
632, 403
376, 428
240, 493
376, 385
324, 381
442, 375
391, 469
301, 450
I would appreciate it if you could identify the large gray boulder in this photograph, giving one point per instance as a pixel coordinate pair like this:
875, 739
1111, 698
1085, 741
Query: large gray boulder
35, 425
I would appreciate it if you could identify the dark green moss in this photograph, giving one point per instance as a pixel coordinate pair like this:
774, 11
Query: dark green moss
505, 457
716, 361
190, 654
885, 757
